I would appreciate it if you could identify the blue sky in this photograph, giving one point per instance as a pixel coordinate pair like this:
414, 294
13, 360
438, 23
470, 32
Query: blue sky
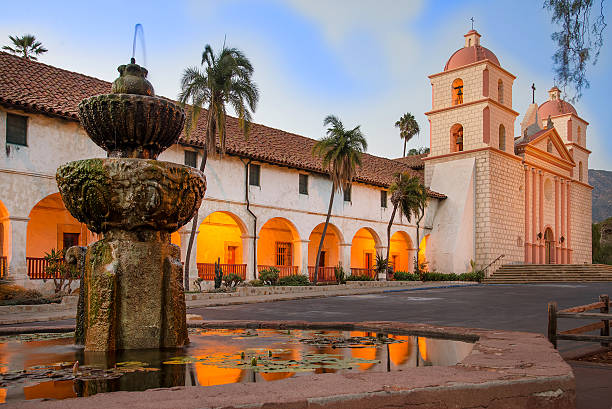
364, 61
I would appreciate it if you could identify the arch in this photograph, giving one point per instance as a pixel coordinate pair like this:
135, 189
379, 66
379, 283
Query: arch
422, 255
4, 239
220, 238
457, 92
502, 137
500, 91
330, 256
549, 241
278, 246
363, 251
401, 252
456, 138
51, 226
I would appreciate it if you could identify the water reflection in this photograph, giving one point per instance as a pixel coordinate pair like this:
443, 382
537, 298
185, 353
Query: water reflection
214, 357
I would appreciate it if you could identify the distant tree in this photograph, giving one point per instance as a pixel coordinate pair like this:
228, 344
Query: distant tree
226, 79
579, 41
408, 127
405, 193
340, 151
26, 46
418, 151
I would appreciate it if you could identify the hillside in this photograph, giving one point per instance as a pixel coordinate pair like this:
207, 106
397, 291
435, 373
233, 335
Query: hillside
601, 180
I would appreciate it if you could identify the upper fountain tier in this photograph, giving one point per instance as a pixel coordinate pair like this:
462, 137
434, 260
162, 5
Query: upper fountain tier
132, 122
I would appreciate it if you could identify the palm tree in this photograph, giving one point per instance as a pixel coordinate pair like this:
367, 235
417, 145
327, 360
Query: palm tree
26, 46
226, 78
340, 152
405, 192
408, 127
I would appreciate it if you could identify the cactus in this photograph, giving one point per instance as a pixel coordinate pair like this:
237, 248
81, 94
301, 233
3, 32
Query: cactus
218, 274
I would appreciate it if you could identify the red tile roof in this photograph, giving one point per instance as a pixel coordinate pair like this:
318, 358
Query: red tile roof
413, 161
36, 87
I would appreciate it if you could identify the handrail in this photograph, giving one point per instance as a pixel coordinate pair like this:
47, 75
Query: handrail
206, 271
484, 270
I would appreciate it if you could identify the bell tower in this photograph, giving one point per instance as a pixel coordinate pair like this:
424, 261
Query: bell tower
471, 102
472, 160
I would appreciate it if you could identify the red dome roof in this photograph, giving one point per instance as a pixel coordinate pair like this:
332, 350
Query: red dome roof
554, 108
468, 55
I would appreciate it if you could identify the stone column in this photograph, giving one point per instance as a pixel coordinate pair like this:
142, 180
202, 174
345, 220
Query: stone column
184, 232
569, 224
345, 257
17, 267
563, 232
541, 217
301, 256
534, 226
527, 235
557, 235
247, 256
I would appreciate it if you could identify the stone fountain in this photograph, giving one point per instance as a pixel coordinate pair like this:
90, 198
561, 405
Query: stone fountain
132, 294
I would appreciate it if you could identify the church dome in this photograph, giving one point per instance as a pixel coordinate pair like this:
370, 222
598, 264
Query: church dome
471, 53
555, 105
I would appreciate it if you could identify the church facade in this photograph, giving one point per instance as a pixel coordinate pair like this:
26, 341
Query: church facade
525, 196
493, 195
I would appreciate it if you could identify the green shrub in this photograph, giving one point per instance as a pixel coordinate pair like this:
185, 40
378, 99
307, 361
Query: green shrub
404, 276
255, 283
359, 277
435, 276
232, 279
295, 280
269, 276
340, 275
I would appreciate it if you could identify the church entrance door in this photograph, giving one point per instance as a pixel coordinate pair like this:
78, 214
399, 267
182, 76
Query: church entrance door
550, 246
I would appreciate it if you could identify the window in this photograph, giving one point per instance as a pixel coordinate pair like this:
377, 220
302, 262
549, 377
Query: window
303, 184
254, 171
283, 253
383, 198
322, 259
457, 91
191, 159
549, 147
347, 193
70, 240
580, 171
502, 138
500, 91
456, 138
394, 262
579, 136
16, 129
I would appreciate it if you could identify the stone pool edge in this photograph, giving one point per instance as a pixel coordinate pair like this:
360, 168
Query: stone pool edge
505, 369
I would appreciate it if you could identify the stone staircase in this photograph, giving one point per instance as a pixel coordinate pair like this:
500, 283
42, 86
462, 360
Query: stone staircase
547, 273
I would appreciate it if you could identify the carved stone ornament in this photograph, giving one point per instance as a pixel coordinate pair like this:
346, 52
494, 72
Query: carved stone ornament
130, 194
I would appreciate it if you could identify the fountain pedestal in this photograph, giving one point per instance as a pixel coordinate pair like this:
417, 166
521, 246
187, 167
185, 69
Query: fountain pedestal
132, 293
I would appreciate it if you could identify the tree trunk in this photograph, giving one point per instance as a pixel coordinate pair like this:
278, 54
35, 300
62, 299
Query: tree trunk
389, 232
404, 149
329, 210
194, 226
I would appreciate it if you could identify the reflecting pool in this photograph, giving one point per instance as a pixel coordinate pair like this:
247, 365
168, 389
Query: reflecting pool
51, 366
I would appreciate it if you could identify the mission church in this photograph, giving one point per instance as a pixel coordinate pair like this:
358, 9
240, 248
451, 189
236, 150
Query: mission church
493, 196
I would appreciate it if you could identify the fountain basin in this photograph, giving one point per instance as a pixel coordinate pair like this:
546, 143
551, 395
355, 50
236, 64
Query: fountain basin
128, 125
503, 369
131, 194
